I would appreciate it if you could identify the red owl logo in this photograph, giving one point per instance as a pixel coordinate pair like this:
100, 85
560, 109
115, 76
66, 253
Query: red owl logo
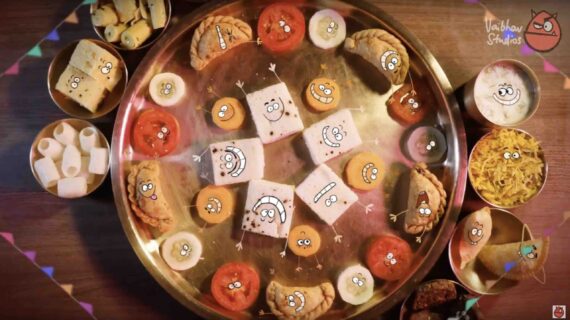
543, 31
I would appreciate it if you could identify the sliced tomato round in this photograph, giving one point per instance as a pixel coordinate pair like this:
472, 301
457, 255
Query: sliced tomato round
235, 286
281, 27
389, 257
155, 133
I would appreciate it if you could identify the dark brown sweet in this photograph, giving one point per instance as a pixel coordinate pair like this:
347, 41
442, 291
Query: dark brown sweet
425, 315
434, 293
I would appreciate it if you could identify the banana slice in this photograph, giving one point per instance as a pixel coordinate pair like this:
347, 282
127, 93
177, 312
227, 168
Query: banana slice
355, 285
166, 89
181, 251
327, 29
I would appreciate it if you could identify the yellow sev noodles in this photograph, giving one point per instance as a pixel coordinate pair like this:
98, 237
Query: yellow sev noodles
507, 182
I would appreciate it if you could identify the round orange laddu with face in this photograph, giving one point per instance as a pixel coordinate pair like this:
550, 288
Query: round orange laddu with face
323, 94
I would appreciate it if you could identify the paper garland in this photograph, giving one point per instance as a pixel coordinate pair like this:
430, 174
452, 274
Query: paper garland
525, 49
49, 271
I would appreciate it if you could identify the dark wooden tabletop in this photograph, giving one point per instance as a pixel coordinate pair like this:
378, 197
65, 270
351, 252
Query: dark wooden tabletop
83, 239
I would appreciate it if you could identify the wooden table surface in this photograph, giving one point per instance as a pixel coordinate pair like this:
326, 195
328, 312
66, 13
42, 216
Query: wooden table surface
84, 241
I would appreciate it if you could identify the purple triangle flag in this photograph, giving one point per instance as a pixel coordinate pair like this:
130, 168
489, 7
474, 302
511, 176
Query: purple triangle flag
549, 67
509, 266
471, 1
48, 271
8, 236
30, 255
526, 50
53, 36
87, 306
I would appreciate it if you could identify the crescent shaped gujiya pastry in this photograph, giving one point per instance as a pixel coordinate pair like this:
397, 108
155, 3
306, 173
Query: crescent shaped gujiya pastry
528, 257
383, 50
426, 200
147, 195
476, 231
301, 303
214, 37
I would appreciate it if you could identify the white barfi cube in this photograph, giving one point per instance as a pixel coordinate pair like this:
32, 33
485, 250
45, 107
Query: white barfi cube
97, 63
237, 161
331, 137
81, 88
268, 208
274, 113
326, 194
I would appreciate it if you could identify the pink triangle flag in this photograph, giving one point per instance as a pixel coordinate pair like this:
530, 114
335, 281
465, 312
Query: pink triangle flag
67, 288
87, 306
566, 87
30, 255
526, 50
72, 18
549, 67
8, 236
14, 69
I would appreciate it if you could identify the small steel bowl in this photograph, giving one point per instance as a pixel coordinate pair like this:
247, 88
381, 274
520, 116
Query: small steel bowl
406, 310
156, 34
471, 104
47, 132
544, 173
506, 228
72, 108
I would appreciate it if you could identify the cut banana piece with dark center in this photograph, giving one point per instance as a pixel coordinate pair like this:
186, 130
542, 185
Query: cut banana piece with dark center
355, 285
181, 251
167, 89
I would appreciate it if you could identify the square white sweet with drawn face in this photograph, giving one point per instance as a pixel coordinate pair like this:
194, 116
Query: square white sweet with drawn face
331, 137
237, 161
268, 208
274, 113
326, 194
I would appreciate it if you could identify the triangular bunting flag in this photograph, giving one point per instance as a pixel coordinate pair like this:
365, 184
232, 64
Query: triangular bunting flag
549, 67
14, 69
8, 236
67, 288
471, 1
490, 283
30, 255
566, 87
509, 266
53, 36
72, 18
470, 303
489, 16
48, 271
526, 50
85, 2
548, 231
36, 51
566, 214
87, 306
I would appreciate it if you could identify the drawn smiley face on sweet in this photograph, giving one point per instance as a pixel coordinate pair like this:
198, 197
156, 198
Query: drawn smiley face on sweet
506, 94
106, 68
228, 113
296, 301
274, 109
74, 82
333, 136
369, 173
543, 31
233, 161
147, 189
270, 208
304, 240
214, 205
390, 61
327, 28
514, 155
390, 260
323, 94
475, 234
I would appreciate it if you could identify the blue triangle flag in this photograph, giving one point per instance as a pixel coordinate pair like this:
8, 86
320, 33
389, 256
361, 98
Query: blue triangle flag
53, 36
48, 271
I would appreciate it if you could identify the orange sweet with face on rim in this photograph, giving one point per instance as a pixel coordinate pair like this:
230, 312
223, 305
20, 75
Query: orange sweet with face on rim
215, 204
304, 241
228, 113
323, 94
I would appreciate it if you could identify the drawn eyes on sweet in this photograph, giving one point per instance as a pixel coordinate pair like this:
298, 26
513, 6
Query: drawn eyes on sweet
477, 232
267, 213
106, 69
333, 26
305, 243
229, 161
223, 110
167, 89
234, 285
431, 145
390, 260
413, 103
514, 156
75, 82
163, 133
547, 26
357, 281
374, 174
285, 26
273, 107
291, 301
332, 199
393, 63
425, 211
146, 187
338, 136
185, 250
